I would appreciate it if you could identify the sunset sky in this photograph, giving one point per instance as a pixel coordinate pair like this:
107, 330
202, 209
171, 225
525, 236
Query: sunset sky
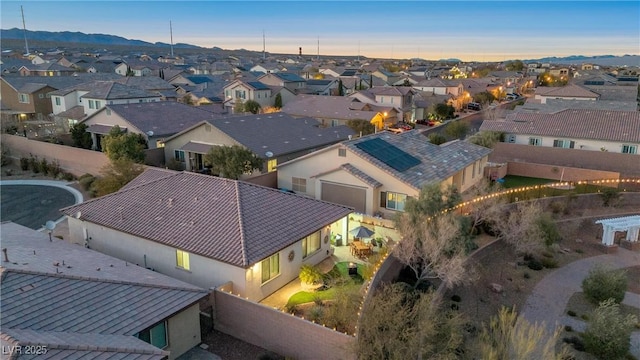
479, 30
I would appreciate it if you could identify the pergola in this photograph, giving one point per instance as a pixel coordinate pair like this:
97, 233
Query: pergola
630, 224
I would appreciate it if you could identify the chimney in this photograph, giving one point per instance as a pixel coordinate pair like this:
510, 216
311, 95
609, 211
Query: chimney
6, 257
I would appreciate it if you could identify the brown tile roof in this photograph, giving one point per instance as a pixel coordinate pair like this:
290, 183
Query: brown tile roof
227, 220
609, 125
331, 107
566, 91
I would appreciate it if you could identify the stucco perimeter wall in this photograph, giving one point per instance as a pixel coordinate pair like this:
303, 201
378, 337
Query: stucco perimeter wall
625, 164
560, 173
74, 160
277, 331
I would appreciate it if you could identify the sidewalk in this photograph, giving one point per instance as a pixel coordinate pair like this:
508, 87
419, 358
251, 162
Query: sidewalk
549, 298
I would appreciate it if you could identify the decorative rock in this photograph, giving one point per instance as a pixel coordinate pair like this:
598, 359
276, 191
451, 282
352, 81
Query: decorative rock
579, 241
496, 288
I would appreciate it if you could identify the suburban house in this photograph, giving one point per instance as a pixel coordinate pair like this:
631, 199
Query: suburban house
568, 92
586, 129
78, 303
209, 231
322, 86
95, 95
266, 68
388, 77
275, 137
439, 86
140, 67
336, 110
376, 173
291, 81
46, 69
156, 121
26, 97
398, 97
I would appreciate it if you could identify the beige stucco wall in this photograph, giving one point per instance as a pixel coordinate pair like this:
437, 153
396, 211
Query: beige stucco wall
326, 162
183, 331
204, 272
197, 134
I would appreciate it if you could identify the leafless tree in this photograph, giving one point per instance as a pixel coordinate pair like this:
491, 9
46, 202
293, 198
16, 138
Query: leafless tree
484, 207
431, 249
520, 228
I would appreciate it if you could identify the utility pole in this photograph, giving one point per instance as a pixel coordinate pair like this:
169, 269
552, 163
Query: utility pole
264, 54
171, 32
318, 56
24, 29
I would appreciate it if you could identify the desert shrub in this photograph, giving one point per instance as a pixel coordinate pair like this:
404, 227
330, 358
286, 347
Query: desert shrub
549, 263
173, 164
269, 355
8, 172
558, 207
584, 317
602, 284
527, 275
608, 333
24, 163
610, 197
456, 298
317, 300
34, 164
310, 274
44, 166
54, 168
5, 159
315, 313
549, 229
86, 180
291, 308
568, 328
534, 264
67, 176
571, 313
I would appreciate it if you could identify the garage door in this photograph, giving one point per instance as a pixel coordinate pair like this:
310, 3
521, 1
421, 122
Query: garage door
354, 197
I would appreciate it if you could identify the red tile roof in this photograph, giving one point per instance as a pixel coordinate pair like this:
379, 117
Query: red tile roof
227, 220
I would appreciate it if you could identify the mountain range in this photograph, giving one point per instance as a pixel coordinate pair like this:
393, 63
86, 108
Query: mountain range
105, 39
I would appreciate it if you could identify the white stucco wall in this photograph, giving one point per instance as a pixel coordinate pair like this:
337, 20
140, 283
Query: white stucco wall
203, 272
580, 144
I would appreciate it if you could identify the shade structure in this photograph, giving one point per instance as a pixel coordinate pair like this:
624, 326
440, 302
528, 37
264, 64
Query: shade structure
361, 232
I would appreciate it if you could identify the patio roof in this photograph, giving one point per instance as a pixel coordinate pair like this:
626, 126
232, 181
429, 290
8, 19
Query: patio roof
196, 147
621, 223
102, 129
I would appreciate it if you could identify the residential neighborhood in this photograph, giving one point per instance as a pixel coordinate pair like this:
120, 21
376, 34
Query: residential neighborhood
205, 203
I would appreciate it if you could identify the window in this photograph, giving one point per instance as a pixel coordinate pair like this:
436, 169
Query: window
381, 99
335, 123
272, 164
567, 144
155, 335
535, 141
98, 104
464, 175
392, 100
23, 98
342, 152
629, 149
240, 94
227, 93
108, 112
270, 268
473, 172
511, 138
92, 104
57, 100
41, 96
299, 184
310, 244
182, 259
393, 201
179, 155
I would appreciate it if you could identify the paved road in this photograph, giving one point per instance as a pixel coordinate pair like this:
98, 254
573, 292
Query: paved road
549, 298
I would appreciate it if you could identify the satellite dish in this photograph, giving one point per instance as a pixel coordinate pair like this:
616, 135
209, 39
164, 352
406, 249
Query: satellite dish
50, 225
150, 133
268, 154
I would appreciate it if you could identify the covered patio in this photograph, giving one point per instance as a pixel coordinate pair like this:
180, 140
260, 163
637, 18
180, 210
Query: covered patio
628, 224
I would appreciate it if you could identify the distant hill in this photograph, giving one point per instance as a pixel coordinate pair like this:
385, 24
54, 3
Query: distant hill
604, 60
82, 38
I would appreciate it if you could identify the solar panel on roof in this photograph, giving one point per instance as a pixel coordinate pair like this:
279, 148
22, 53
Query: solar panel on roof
388, 154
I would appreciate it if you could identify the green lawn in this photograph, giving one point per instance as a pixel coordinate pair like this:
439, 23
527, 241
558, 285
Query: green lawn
339, 271
513, 181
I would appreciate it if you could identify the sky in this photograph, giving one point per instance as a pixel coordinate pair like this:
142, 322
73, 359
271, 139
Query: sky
467, 30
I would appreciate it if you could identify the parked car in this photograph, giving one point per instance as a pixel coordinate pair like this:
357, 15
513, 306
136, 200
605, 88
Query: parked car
426, 122
474, 106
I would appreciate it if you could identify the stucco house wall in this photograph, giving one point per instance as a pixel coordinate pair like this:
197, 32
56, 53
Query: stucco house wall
182, 333
581, 144
204, 272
